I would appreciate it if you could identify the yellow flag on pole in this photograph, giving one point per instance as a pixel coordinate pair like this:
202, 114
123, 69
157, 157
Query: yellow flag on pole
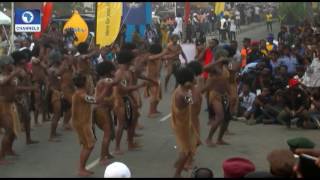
108, 22
219, 7
80, 27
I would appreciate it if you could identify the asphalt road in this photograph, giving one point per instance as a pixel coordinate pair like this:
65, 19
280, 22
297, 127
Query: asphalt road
158, 154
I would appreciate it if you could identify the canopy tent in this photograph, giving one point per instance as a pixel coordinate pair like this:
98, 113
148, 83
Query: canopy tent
4, 19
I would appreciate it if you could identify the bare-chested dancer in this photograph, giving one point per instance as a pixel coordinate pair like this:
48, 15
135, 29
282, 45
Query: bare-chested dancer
219, 92
9, 119
67, 88
54, 71
173, 63
103, 109
153, 91
23, 99
39, 78
124, 111
84, 65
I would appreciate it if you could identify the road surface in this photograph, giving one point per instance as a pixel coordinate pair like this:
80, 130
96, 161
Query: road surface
158, 154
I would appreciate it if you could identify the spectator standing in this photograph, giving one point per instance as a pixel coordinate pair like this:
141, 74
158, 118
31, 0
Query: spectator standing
233, 29
223, 29
257, 13
269, 21
238, 20
178, 29
283, 35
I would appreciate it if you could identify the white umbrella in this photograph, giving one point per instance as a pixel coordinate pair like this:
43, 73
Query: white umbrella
4, 19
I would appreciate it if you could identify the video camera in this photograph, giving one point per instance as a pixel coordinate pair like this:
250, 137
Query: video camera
69, 36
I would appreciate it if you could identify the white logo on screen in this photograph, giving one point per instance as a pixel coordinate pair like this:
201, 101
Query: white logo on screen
27, 17
134, 5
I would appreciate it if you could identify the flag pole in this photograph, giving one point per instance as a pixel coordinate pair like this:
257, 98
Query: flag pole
12, 28
175, 9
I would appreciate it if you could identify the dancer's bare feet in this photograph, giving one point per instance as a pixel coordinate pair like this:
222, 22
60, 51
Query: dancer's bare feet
222, 142
30, 141
109, 156
57, 135
54, 139
209, 143
140, 126
229, 133
104, 162
12, 153
37, 124
138, 135
154, 115
134, 146
118, 152
84, 173
4, 162
67, 127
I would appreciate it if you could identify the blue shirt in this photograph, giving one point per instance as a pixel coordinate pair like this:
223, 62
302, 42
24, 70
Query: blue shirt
274, 65
291, 62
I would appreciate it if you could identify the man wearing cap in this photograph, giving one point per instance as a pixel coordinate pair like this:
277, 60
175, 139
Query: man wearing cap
300, 142
295, 105
237, 167
8, 111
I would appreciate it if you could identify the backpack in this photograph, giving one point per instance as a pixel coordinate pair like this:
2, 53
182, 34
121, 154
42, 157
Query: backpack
225, 25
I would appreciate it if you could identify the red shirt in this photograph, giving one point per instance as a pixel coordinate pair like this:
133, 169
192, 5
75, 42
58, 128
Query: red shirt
208, 56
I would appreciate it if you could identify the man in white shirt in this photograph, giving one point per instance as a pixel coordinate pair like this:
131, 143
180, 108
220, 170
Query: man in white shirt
223, 29
246, 99
178, 29
257, 13
237, 14
233, 29
311, 77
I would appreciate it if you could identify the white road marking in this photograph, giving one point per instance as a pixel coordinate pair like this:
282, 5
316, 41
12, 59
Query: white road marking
165, 118
93, 164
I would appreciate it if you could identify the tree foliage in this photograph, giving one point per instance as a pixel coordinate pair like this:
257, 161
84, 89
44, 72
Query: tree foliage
293, 12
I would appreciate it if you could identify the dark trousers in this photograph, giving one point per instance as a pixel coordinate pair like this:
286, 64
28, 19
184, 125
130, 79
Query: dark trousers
232, 35
223, 34
285, 118
269, 26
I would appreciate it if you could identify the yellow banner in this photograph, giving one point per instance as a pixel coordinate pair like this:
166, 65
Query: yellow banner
80, 27
219, 7
108, 22
314, 5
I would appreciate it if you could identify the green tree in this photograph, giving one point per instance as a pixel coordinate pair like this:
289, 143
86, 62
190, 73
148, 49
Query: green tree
293, 12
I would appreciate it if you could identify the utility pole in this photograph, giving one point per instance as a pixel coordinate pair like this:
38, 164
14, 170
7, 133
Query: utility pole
12, 28
175, 9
